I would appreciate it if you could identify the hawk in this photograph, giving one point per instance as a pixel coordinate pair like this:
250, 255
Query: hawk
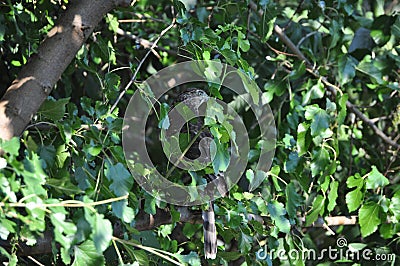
194, 98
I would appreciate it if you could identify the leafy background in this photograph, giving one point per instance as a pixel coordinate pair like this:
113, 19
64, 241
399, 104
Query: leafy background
67, 173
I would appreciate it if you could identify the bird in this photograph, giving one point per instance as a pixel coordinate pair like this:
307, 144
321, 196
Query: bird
194, 99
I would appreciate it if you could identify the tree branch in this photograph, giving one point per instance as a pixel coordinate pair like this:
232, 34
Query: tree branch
38, 77
145, 221
332, 88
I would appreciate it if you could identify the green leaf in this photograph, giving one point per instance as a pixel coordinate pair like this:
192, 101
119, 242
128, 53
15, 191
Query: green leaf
102, 232
221, 158
375, 179
243, 43
317, 91
368, 68
320, 161
53, 109
229, 255
347, 68
34, 177
394, 206
150, 204
342, 100
386, 231
303, 138
47, 154
86, 254
277, 212
245, 242
319, 119
230, 56
293, 200
120, 177
63, 231
10, 146
261, 205
141, 257
292, 162
354, 199
112, 22
355, 181
332, 196
369, 217
250, 87
190, 259
164, 119
122, 211
6, 227
316, 210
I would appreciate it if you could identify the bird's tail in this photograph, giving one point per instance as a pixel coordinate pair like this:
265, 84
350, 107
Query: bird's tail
210, 232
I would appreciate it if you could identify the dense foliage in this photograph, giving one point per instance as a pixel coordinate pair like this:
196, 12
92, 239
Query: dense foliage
67, 172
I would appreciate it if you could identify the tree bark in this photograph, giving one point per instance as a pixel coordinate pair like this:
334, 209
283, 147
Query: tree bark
38, 77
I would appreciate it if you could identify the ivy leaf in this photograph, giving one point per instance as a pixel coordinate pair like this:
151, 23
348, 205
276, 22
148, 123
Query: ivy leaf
53, 109
120, 177
221, 159
320, 161
47, 154
122, 211
375, 179
277, 212
250, 87
319, 119
347, 68
63, 231
140, 256
369, 217
10, 146
34, 177
86, 254
149, 204
245, 242
102, 232
190, 259
294, 200
229, 255
303, 138
6, 227
292, 162
230, 56
368, 68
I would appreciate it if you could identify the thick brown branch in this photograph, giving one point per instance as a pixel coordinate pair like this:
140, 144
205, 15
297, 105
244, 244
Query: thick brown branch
332, 88
37, 78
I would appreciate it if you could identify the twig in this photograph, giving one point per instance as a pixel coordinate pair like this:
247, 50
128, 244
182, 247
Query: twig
140, 65
65, 203
159, 252
43, 125
332, 88
143, 42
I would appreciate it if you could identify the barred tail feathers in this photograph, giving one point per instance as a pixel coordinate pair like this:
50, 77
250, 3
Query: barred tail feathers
210, 233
